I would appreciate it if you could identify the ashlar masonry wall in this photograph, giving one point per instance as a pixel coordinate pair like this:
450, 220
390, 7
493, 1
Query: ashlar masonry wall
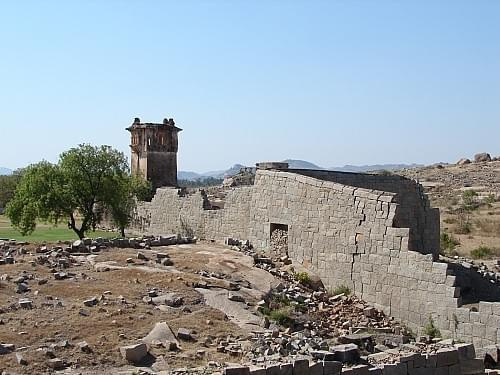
348, 235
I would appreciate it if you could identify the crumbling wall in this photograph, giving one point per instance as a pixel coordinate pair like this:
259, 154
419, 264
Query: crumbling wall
414, 210
346, 236
173, 211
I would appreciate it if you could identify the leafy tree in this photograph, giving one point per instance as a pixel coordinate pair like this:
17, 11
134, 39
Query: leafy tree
470, 200
86, 181
127, 191
8, 186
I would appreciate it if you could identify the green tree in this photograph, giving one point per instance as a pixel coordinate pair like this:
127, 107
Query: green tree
85, 179
470, 200
126, 193
8, 186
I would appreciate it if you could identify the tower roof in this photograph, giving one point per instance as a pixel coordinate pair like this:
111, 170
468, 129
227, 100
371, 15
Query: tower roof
137, 124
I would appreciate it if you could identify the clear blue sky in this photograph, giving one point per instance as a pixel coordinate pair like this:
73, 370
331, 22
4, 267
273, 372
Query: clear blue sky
332, 82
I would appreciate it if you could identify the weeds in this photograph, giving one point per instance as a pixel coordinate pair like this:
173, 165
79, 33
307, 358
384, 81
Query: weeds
431, 330
341, 289
303, 278
448, 244
484, 252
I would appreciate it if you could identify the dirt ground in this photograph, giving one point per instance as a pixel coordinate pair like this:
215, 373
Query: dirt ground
121, 317
445, 185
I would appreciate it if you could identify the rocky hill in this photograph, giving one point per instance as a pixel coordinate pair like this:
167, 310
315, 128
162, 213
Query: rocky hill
468, 195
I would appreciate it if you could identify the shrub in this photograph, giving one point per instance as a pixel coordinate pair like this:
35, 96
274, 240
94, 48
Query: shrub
489, 199
481, 252
448, 244
341, 289
431, 330
463, 227
281, 316
303, 278
470, 200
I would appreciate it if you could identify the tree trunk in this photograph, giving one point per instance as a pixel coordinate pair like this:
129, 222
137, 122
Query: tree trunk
72, 224
122, 231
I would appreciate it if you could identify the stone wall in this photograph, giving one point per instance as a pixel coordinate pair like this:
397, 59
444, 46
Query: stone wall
347, 235
414, 210
457, 360
172, 211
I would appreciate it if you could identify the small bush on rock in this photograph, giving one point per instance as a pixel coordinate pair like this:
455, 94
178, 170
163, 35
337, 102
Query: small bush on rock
431, 330
341, 289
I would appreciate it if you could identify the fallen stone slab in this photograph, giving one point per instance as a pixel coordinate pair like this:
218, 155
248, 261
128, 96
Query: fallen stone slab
20, 359
90, 302
134, 353
184, 334
26, 303
348, 353
6, 348
56, 364
170, 299
162, 333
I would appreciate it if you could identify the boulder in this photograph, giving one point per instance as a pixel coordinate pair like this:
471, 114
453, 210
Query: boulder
463, 161
482, 157
162, 333
134, 353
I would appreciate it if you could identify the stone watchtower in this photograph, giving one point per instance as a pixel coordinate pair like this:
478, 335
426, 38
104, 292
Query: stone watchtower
154, 151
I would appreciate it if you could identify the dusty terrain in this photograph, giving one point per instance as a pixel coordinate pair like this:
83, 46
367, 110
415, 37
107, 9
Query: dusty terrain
121, 316
236, 305
445, 185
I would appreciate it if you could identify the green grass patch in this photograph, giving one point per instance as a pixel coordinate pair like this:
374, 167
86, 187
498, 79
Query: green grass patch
341, 289
46, 232
484, 252
448, 244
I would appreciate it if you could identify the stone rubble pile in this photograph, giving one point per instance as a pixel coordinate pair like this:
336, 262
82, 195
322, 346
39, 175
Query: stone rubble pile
492, 275
279, 241
57, 255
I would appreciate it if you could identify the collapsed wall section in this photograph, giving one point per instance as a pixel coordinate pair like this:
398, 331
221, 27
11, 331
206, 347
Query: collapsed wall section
174, 211
346, 235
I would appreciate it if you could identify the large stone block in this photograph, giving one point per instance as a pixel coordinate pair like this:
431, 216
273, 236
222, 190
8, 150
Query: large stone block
446, 357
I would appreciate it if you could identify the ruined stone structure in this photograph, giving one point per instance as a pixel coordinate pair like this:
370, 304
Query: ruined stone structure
154, 151
376, 234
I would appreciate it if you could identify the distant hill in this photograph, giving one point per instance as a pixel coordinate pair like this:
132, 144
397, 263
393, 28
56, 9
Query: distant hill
5, 171
374, 167
294, 164
301, 164
187, 175
192, 176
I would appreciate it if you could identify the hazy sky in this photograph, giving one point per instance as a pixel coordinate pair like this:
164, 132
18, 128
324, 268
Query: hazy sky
332, 82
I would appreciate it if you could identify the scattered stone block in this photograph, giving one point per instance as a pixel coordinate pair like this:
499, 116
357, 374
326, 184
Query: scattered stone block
348, 353
446, 357
26, 303
90, 302
237, 370
134, 353
20, 359
84, 347
184, 334
56, 364
332, 367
